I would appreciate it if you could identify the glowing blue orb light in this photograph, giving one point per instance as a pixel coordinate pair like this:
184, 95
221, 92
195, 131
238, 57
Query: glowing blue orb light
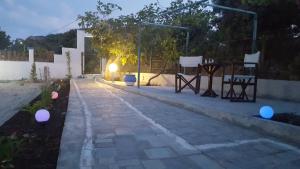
42, 115
266, 112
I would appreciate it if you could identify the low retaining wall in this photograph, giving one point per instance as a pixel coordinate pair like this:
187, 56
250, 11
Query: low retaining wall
16, 70
278, 89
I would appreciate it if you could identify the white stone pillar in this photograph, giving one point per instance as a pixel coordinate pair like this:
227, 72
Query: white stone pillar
31, 55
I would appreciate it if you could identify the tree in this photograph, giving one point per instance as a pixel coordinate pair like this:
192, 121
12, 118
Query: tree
18, 45
53, 42
116, 38
4, 40
169, 48
33, 75
110, 36
277, 36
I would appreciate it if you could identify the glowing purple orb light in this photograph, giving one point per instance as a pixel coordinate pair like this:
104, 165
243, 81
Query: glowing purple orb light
42, 115
54, 95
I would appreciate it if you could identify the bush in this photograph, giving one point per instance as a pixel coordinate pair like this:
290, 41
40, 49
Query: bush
44, 102
9, 147
33, 75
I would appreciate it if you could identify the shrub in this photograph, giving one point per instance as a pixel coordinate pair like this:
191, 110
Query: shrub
44, 102
33, 75
9, 147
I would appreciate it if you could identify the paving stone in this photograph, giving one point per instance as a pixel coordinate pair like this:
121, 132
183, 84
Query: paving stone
205, 162
135, 167
124, 140
288, 165
142, 145
182, 150
98, 143
113, 166
123, 131
106, 161
178, 163
153, 164
126, 153
105, 140
105, 135
157, 153
288, 156
266, 149
131, 162
105, 152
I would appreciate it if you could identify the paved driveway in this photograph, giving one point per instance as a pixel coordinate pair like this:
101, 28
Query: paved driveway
111, 129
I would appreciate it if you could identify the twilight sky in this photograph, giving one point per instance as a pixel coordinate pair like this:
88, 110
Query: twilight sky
23, 18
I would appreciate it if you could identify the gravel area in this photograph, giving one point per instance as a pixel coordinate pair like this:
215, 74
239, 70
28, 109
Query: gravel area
14, 95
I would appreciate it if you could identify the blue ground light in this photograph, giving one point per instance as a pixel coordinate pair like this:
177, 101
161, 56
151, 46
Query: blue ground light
266, 112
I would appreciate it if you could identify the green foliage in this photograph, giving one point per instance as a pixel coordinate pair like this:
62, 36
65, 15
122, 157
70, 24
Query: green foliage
33, 75
34, 107
44, 102
68, 55
220, 34
9, 147
294, 68
4, 40
53, 42
278, 35
18, 45
46, 96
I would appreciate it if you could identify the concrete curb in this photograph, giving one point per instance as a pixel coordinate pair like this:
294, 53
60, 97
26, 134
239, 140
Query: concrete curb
277, 129
73, 134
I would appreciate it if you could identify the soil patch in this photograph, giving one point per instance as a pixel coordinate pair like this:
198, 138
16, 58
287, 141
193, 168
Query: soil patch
290, 118
41, 141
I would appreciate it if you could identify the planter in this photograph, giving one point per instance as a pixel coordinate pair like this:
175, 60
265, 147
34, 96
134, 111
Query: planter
129, 79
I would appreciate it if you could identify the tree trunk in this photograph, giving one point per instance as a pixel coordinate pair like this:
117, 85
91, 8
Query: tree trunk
155, 76
106, 71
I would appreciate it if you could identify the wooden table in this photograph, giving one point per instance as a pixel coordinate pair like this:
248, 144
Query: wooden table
210, 68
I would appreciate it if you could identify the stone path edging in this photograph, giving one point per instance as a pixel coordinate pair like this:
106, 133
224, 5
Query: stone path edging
86, 156
74, 134
277, 129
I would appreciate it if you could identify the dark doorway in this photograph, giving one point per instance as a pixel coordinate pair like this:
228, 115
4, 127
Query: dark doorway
92, 63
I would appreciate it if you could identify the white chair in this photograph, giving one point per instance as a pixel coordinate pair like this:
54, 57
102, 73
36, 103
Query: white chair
247, 76
188, 62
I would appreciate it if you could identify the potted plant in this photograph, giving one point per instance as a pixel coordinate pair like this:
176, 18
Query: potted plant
129, 79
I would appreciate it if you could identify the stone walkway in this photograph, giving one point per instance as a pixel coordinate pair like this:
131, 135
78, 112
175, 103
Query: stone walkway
239, 113
218, 104
107, 128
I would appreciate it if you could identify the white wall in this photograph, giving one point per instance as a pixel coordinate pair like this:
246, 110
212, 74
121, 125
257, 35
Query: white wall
59, 69
16, 70
11, 70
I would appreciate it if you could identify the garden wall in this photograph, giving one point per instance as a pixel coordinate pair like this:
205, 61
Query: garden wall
278, 89
16, 70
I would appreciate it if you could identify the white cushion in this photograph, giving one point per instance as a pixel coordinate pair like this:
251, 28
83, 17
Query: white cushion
190, 61
251, 58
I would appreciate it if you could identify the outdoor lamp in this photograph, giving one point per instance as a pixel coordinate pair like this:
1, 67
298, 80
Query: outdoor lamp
112, 68
42, 115
54, 95
266, 112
